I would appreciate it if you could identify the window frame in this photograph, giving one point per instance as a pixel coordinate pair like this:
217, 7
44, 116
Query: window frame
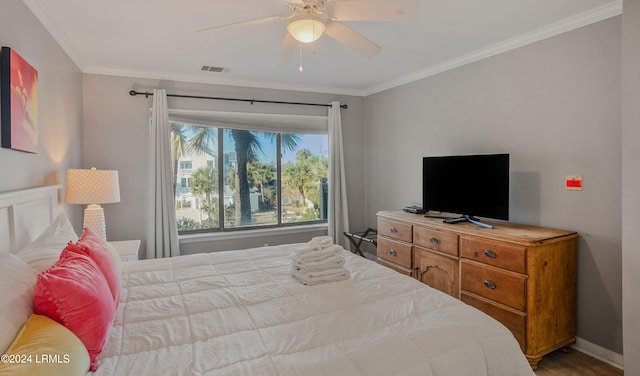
181, 116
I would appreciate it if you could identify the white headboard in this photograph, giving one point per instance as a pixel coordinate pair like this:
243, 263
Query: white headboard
25, 214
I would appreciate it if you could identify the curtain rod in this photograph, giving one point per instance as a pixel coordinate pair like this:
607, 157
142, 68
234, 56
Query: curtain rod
133, 93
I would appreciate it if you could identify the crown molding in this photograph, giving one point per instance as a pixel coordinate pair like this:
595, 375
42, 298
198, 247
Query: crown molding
40, 10
43, 14
571, 23
197, 78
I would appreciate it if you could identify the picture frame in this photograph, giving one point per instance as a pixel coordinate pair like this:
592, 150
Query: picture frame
18, 102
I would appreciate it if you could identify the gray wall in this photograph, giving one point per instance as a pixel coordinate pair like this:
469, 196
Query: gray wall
555, 107
630, 184
59, 105
116, 131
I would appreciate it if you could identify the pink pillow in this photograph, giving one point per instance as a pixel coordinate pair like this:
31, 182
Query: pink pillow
93, 246
75, 293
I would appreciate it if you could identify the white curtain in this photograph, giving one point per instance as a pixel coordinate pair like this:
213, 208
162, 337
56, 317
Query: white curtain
162, 234
338, 208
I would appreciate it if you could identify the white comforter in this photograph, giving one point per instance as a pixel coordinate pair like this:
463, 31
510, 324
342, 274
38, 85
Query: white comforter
242, 313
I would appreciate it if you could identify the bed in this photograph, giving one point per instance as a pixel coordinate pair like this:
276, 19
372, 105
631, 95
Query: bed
241, 313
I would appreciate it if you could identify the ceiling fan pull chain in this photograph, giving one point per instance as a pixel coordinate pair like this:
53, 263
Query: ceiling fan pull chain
300, 67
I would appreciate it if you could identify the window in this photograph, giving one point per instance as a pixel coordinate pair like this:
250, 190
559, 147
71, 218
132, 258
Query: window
185, 167
230, 179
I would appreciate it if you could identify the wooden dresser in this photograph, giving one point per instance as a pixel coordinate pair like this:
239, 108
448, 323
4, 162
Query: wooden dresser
523, 276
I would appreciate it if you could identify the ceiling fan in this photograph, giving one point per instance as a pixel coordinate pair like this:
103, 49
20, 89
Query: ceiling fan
310, 19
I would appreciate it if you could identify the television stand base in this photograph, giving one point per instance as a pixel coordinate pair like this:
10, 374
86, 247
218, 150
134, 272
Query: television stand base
467, 218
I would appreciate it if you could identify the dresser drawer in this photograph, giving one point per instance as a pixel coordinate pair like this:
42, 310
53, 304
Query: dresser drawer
393, 251
436, 240
500, 285
515, 321
503, 255
394, 229
395, 267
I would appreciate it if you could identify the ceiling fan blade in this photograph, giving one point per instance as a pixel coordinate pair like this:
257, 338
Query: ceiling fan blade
374, 10
255, 21
287, 47
352, 39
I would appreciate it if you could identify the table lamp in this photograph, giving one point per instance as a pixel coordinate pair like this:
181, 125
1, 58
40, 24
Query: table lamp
93, 187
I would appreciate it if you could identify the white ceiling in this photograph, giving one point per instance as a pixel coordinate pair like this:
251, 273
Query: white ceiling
158, 39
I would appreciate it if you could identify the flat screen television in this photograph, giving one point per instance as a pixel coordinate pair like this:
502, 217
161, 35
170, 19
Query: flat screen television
469, 185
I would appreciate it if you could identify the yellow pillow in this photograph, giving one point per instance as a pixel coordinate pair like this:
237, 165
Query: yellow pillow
45, 347
115, 255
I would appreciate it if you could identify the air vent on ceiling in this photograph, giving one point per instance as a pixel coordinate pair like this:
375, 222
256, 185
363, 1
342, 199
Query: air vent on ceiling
208, 68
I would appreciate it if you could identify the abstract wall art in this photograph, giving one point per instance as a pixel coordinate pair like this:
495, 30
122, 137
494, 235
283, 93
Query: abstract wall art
18, 102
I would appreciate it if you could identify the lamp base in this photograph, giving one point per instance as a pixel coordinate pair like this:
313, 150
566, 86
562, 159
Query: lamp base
94, 220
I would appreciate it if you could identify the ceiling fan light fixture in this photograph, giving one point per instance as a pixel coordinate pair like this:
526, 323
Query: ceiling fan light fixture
306, 29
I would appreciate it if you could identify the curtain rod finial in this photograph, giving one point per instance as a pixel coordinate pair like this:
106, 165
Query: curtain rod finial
133, 93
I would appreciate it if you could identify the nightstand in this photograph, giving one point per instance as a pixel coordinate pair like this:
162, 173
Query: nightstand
127, 249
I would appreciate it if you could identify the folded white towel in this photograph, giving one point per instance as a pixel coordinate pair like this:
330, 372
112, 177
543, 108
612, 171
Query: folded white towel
328, 263
318, 273
315, 256
326, 276
324, 241
307, 250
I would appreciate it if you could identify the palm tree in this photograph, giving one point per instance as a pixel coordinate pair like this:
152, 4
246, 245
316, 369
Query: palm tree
262, 173
298, 175
178, 147
247, 145
319, 165
199, 143
204, 181
303, 154
319, 168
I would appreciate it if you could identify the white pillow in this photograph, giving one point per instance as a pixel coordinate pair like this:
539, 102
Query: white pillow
17, 281
45, 250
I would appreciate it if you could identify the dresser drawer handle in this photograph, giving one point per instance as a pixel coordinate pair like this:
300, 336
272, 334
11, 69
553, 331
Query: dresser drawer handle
490, 284
393, 230
434, 240
392, 252
490, 254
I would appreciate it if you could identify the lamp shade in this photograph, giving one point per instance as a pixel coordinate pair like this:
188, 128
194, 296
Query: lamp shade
92, 186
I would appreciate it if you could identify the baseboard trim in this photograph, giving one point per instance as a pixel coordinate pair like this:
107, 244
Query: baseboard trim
599, 353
